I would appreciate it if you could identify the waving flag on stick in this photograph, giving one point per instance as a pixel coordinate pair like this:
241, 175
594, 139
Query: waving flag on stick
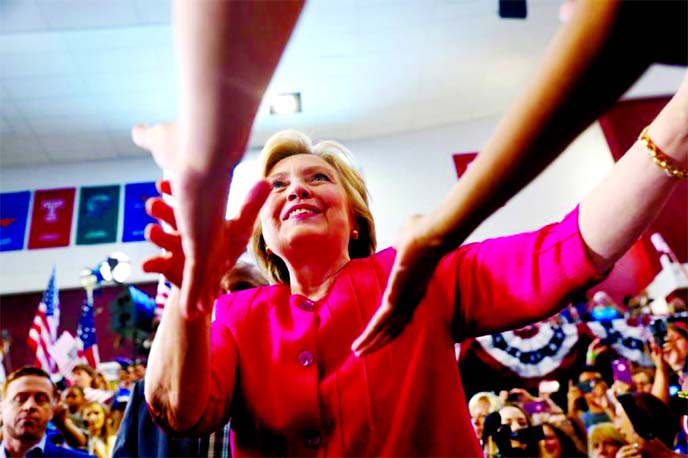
43, 332
86, 333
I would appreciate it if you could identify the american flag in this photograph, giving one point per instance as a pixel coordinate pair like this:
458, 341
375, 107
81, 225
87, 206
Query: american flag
86, 333
43, 332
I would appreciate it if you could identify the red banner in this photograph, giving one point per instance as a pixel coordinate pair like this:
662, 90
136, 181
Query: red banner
51, 218
462, 161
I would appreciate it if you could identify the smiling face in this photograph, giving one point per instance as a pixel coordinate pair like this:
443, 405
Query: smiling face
307, 209
27, 407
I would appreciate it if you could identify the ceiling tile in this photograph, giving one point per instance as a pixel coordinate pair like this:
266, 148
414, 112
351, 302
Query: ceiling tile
44, 86
59, 106
153, 11
18, 150
19, 65
148, 37
16, 126
20, 16
31, 43
67, 125
75, 14
90, 146
121, 139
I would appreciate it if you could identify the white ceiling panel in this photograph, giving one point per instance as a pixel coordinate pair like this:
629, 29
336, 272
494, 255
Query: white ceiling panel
47, 64
79, 14
20, 16
153, 11
41, 86
20, 150
77, 74
16, 126
68, 148
147, 37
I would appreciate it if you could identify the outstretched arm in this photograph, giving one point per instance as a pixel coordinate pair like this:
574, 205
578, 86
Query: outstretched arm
183, 373
593, 59
226, 54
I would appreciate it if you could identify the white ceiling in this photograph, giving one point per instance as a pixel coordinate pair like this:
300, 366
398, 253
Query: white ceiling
76, 74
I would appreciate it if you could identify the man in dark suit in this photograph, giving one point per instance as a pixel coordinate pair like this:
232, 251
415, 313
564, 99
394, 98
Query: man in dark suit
28, 400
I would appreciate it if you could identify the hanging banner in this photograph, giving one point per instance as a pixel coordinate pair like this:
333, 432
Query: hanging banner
135, 217
51, 218
98, 215
462, 161
14, 214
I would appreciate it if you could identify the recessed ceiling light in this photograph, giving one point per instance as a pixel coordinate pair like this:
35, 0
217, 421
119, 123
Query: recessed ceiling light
285, 103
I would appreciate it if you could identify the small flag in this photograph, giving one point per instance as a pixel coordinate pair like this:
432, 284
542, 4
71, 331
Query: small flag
161, 296
65, 352
43, 332
86, 333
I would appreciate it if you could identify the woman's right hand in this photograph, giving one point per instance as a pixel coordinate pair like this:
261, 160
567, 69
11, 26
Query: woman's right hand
235, 234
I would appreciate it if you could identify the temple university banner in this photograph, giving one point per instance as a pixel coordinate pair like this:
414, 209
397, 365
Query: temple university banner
14, 214
98, 215
135, 217
51, 218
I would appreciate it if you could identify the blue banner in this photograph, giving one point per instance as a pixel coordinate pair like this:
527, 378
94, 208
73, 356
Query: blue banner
135, 217
14, 212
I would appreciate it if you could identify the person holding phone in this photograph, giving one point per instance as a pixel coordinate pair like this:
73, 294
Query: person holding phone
647, 424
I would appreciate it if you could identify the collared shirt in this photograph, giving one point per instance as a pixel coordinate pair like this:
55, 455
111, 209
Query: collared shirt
40, 446
283, 370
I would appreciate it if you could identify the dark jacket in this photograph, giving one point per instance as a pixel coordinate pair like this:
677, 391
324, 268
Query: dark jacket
52, 450
138, 434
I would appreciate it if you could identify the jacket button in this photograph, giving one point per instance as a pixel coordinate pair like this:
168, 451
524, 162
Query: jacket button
306, 358
307, 305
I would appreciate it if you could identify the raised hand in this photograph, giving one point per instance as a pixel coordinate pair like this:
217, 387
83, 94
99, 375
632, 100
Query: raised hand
226, 248
416, 259
201, 203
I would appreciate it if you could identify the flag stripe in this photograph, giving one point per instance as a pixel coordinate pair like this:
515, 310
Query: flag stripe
43, 331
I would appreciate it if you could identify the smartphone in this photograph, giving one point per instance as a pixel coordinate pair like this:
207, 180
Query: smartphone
585, 387
659, 331
530, 435
622, 371
642, 424
535, 407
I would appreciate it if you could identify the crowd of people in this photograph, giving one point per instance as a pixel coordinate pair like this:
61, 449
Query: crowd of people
578, 416
313, 364
632, 412
76, 416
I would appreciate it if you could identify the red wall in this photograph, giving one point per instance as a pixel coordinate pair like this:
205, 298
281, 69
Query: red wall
17, 312
621, 126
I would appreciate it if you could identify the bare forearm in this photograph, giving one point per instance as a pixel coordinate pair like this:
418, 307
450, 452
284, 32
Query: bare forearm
660, 386
585, 69
617, 211
226, 52
178, 374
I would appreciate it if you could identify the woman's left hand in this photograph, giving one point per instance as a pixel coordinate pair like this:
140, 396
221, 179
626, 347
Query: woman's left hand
416, 259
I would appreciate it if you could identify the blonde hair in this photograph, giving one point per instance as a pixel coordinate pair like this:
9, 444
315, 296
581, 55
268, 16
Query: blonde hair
604, 432
289, 143
490, 397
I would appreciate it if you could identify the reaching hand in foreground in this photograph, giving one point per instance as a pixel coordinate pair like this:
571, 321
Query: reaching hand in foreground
221, 255
201, 200
416, 259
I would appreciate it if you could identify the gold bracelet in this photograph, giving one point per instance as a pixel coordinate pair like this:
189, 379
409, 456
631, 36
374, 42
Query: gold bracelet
663, 161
